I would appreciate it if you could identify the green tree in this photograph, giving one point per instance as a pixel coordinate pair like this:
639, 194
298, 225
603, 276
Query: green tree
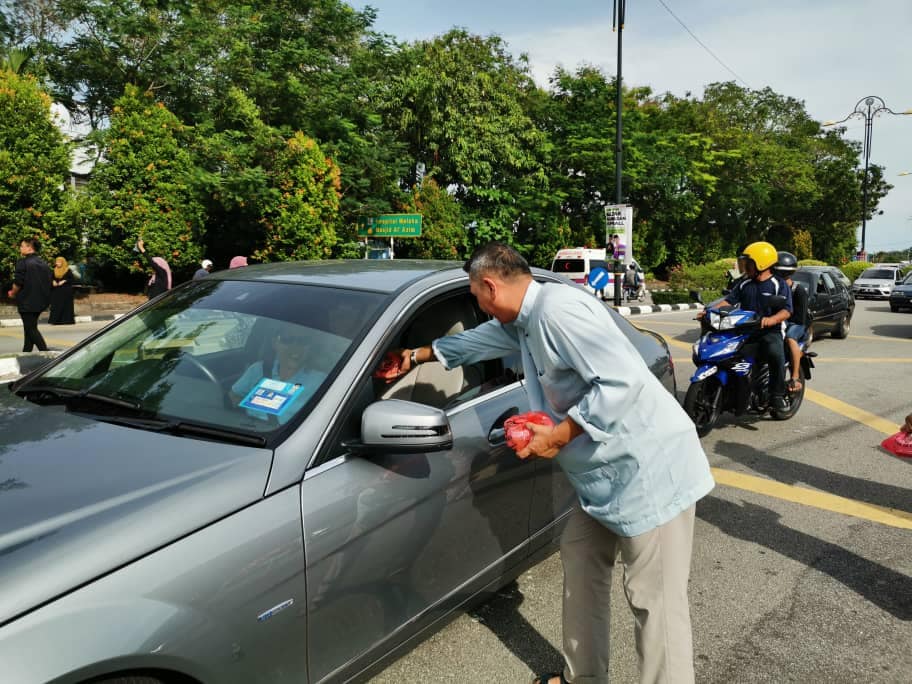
458, 102
302, 224
34, 165
443, 235
142, 188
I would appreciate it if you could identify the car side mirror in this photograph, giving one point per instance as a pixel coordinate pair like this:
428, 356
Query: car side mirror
397, 426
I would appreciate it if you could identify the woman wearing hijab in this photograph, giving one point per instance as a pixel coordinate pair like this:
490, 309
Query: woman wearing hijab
62, 312
238, 262
161, 273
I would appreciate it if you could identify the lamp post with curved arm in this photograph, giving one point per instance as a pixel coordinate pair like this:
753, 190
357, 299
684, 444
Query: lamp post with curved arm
867, 108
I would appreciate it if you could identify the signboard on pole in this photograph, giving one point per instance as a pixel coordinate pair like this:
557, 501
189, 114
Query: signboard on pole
619, 221
391, 225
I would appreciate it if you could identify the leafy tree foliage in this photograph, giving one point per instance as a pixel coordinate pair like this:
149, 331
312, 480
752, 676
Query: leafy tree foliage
34, 162
302, 224
443, 234
142, 188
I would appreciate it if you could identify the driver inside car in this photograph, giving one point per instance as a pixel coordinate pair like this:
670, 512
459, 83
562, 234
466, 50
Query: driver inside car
279, 385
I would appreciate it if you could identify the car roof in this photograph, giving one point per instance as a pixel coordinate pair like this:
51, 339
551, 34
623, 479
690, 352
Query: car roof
375, 275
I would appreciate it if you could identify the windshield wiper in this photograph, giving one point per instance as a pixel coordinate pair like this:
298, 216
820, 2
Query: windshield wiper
133, 415
71, 396
220, 434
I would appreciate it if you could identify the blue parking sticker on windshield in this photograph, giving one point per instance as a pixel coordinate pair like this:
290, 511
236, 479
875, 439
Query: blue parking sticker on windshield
271, 396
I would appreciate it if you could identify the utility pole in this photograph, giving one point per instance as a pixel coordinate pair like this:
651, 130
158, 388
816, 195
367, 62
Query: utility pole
620, 11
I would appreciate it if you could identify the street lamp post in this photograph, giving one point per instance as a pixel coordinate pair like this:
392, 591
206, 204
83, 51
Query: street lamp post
867, 108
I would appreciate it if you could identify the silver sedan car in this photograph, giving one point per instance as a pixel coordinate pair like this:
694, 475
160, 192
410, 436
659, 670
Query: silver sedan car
217, 488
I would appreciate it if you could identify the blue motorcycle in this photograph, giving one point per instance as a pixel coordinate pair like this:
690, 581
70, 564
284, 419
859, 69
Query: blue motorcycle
730, 376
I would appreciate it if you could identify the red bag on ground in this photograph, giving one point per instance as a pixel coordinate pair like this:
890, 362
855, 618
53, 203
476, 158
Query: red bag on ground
518, 435
390, 367
899, 444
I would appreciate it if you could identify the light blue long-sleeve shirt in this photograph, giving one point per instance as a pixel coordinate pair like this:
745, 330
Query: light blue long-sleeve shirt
639, 461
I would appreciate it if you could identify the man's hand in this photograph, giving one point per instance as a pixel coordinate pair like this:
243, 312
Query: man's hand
141, 246
11, 294
907, 426
541, 444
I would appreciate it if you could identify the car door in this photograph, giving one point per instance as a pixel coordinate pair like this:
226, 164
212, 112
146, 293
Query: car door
394, 541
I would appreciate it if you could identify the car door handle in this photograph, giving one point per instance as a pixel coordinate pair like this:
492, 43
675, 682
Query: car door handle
498, 435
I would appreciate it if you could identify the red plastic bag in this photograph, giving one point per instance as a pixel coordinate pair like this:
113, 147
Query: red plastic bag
899, 444
518, 435
390, 367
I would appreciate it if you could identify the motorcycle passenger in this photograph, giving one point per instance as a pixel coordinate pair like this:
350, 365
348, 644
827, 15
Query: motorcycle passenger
752, 294
797, 325
632, 282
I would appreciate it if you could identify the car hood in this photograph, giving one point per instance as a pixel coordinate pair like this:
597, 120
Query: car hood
79, 498
906, 289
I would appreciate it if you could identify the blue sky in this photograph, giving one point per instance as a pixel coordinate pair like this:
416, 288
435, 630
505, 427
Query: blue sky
829, 53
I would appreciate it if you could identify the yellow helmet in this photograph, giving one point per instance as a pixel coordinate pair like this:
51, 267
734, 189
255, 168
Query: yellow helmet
763, 254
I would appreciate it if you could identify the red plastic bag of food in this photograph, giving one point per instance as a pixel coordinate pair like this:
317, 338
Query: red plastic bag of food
899, 444
390, 367
518, 435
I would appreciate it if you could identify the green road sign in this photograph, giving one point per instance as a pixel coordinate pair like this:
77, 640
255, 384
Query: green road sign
391, 225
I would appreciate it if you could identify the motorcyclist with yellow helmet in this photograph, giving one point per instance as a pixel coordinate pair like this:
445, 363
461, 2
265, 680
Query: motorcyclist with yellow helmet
752, 293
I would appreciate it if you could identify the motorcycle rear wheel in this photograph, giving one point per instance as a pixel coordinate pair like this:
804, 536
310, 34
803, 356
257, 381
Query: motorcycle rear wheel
793, 399
702, 404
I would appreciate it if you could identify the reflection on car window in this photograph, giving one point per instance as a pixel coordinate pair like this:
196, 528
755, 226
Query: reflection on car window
878, 274
246, 356
828, 282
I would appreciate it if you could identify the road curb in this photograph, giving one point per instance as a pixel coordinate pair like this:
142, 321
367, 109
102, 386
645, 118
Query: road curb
14, 367
17, 322
654, 308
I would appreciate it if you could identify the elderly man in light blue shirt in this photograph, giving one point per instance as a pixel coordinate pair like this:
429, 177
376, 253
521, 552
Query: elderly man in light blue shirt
628, 448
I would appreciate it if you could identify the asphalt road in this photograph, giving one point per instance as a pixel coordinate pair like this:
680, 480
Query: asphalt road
802, 567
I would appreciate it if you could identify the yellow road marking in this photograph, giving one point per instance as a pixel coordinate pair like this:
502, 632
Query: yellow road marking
882, 338
17, 332
814, 499
886, 427
858, 359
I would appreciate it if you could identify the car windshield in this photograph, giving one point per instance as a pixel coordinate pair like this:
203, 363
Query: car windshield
878, 274
569, 265
908, 279
234, 355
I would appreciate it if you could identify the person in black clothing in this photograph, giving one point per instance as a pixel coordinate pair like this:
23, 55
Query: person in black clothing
161, 273
796, 327
62, 308
32, 292
752, 294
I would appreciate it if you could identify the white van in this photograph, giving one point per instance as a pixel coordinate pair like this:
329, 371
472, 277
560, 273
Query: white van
877, 282
577, 263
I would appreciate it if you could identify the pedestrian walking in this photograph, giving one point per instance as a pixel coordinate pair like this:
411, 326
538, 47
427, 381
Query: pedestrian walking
204, 269
626, 445
32, 292
62, 306
161, 272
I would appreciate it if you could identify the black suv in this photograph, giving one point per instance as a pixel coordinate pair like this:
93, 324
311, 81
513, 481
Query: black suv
830, 299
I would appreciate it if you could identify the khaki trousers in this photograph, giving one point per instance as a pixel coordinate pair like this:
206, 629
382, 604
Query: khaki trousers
656, 570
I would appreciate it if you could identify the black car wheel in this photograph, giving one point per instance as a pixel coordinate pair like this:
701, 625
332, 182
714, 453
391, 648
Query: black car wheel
841, 331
